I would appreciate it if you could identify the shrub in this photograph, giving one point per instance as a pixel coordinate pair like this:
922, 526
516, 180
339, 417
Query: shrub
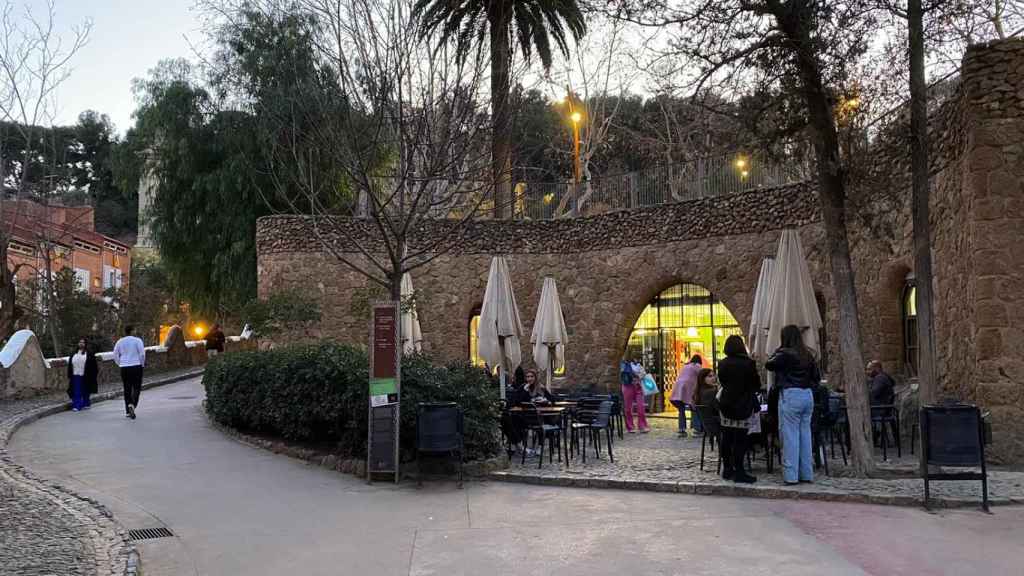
319, 393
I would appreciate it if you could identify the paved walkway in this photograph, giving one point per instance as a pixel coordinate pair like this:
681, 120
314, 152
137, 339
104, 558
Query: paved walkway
240, 510
660, 461
46, 530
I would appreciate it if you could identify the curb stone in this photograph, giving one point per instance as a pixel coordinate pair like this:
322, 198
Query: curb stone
115, 554
353, 466
744, 491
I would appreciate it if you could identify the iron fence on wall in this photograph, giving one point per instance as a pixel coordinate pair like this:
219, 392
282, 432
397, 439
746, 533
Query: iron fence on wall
663, 184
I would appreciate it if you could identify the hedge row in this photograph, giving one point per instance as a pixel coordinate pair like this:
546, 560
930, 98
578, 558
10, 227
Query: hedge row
319, 393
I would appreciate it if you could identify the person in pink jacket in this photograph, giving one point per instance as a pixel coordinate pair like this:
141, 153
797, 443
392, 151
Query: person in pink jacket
682, 394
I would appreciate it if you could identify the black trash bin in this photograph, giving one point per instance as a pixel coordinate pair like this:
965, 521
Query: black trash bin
439, 433
953, 436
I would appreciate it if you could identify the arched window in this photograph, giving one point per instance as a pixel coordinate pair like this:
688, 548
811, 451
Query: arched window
680, 322
474, 346
909, 312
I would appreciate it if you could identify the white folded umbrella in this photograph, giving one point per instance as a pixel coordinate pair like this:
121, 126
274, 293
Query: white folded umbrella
412, 338
549, 336
759, 317
792, 298
500, 329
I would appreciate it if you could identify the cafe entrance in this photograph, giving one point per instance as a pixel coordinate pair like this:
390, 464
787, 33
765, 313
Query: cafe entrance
678, 323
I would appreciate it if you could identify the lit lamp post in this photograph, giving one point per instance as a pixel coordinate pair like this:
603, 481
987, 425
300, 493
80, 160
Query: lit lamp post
576, 117
744, 167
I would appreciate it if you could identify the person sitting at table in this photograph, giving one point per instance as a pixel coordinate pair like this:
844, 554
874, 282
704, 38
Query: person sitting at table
737, 403
535, 390
881, 385
707, 388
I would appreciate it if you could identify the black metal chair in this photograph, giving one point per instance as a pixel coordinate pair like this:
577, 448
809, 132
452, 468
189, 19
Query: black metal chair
439, 432
618, 416
833, 422
885, 417
584, 414
712, 433
533, 422
601, 420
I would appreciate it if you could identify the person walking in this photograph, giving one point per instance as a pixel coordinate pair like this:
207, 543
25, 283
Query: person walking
796, 374
737, 402
633, 394
215, 341
130, 356
687, 380
82, 376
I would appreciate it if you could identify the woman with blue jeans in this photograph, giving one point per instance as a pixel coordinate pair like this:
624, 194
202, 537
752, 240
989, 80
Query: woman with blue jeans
796, 373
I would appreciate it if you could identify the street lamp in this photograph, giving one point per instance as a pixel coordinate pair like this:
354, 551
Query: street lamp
743, 166
576, 118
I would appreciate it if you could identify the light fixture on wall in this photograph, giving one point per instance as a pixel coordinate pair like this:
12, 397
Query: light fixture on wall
719, 333
691, 332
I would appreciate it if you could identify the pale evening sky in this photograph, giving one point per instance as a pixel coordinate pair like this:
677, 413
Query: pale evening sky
128, 38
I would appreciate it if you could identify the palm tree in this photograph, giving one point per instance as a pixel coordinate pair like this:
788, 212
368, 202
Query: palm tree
532, 24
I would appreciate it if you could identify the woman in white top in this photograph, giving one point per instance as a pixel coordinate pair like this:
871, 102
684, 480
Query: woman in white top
82, 373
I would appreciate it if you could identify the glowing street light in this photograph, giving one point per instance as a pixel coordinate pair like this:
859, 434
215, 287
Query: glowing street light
576, 117
741, 163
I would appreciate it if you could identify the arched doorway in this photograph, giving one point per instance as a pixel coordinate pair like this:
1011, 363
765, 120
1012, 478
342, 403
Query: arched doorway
681, 321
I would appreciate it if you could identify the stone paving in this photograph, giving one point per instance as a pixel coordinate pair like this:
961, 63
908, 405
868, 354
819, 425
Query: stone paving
46, 529
661, 461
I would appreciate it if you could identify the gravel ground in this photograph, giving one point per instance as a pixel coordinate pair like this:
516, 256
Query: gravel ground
662, 461
46, 530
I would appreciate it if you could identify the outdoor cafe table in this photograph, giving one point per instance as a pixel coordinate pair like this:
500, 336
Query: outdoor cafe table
558, 411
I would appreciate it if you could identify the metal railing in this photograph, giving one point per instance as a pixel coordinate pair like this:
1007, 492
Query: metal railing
701, 178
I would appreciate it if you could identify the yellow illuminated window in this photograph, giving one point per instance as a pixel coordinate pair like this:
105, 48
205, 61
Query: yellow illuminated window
474, 346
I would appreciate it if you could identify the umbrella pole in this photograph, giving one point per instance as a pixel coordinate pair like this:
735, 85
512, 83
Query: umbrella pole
551, 365
501, 368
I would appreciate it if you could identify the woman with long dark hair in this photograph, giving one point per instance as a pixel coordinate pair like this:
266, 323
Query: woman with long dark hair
737, 403
796, 374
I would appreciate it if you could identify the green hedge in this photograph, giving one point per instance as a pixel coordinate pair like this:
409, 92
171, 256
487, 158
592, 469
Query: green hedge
319, 393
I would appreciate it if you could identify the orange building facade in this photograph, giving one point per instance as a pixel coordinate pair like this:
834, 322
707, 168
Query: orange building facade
99, 262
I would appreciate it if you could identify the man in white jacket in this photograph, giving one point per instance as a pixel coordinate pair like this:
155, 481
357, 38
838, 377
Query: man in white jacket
130, 356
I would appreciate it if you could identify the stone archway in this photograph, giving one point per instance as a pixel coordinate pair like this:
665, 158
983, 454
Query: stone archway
679, 321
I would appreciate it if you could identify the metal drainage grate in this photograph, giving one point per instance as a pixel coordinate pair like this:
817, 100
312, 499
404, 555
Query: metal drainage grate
149, 533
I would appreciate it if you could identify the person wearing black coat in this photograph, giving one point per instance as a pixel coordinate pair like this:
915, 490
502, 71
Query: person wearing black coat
215, 341
797, 376
83, 371
740, 382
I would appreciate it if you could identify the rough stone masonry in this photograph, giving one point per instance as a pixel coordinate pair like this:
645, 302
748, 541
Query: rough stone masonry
609, 266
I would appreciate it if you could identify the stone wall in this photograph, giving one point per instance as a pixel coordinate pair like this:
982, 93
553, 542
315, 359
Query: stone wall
30, 375
608, 267
602, 292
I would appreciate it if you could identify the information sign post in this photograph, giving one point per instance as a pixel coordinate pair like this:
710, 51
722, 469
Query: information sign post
385, 389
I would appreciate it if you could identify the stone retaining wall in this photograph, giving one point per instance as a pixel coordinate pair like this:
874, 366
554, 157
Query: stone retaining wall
31, 375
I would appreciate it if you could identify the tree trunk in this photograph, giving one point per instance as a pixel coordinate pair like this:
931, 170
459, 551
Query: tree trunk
501, 138
920, 208
794, 24
920, 205
48, 302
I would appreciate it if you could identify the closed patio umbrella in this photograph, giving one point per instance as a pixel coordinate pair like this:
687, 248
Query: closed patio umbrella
500, 329
411, 336
759, 318
792, 298
549, 337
